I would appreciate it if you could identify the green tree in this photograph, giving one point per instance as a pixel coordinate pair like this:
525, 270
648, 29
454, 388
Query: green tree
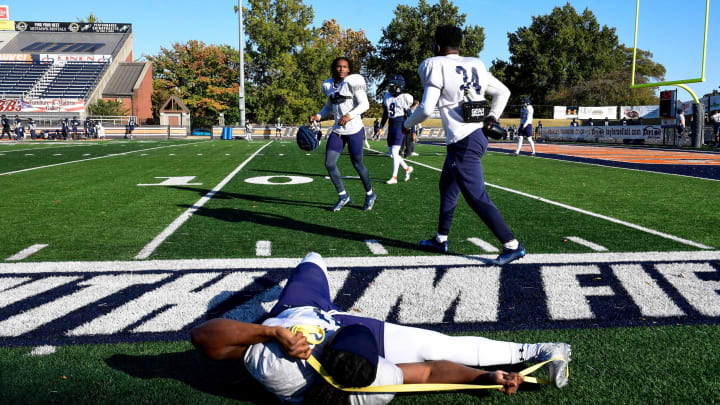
107, 108
91, 19
568, 58
409, 38
203, 76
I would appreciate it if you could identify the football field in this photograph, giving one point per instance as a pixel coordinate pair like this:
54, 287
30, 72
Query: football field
111, 251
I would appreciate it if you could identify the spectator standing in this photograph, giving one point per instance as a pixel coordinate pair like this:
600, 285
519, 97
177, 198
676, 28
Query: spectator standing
65, 128
590, 122
715, 119
624, 122
248, 131
573, 123
5, 127
679, 126
606, 122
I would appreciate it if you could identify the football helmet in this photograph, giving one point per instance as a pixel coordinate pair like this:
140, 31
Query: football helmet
397, 85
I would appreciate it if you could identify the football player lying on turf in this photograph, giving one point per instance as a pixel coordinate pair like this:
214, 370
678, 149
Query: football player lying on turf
359, 351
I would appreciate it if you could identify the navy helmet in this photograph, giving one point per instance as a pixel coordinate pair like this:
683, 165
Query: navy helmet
397, 85
526, 101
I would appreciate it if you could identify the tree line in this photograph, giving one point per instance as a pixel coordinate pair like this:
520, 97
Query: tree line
562, 58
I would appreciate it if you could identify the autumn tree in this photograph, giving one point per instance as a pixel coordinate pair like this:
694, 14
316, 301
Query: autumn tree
203, 76
107, 108
409, 38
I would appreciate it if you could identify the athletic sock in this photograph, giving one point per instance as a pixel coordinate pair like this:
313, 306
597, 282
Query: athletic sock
441, 238
369, 192
342, 193
512, 245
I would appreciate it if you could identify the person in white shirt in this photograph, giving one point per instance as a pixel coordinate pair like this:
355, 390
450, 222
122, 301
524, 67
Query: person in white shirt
358, 351
450, 80
346, 101
526, 118
715, 119
679, 126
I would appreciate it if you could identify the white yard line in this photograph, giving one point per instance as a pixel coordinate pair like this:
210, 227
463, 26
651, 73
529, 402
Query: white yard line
263, 248
337, 263
94, 158
49, 147
376, 247
582, 211
159, 239
483, 245
25, 253
587, 243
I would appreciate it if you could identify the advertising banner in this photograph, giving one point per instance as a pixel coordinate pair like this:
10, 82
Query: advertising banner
646, 134
634, 112
16, 57
598, 113
59, 105
4, 13
50, 58
7, 25
714, 103
36, 26
562, 112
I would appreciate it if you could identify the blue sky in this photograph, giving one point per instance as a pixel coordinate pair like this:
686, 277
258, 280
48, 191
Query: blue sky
672, 31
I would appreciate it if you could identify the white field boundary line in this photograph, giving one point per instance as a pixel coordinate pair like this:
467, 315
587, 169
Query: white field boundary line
582, 211
607, 165
587, 243
81, 145
96, 158
336, 263
162, 236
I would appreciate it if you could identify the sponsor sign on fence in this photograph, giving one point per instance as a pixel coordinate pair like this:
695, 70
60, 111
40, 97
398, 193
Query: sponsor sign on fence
36, 26
639, 111
648, 134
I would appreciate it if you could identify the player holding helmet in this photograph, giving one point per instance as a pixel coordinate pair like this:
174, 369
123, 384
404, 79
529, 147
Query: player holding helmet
396, 106
347, 100
525, 131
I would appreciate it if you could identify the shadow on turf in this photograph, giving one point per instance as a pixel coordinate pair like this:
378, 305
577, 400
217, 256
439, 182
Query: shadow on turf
283, 222
227, 378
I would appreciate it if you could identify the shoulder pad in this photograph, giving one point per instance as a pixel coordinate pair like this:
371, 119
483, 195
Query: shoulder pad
355, 81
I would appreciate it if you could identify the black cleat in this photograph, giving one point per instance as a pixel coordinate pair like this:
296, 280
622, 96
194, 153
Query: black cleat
434, 244
509, 255
369, 201
342, 201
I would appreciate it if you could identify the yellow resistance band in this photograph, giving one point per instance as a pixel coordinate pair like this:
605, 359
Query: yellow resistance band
311, 331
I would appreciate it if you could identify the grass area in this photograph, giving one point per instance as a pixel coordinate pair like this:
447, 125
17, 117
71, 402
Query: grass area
673, 364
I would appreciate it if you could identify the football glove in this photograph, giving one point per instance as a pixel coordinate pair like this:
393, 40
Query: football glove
492, 129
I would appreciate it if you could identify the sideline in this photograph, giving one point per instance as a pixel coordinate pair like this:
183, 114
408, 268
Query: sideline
95, 158
160, 238
582, 211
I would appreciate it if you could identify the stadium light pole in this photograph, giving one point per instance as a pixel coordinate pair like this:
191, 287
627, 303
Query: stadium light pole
241, 95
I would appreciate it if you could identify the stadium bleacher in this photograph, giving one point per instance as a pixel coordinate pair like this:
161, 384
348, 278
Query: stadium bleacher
16, 78
75, 80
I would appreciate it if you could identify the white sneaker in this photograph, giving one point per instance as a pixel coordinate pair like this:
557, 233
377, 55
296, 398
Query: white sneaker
557, 370
414, 154
393, 180
407, 173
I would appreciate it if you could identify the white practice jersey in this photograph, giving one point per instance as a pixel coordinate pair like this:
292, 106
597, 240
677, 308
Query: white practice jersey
526, 116
715, 117
453, 75
396, 106
288, 378
347, 97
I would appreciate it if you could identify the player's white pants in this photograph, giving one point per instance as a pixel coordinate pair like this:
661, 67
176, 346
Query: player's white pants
398, 161
404, 344
520, 142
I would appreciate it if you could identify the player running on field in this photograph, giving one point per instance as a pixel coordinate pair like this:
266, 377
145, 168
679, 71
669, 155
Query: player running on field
359, 351
347, 100
525, 131
396, 107
448, 80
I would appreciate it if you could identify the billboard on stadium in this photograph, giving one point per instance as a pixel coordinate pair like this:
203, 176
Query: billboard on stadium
649, 134
562, 112
48, 57
16, 57
5, 13
7, 25
37, 26
598, 113
634, 112
714, 103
